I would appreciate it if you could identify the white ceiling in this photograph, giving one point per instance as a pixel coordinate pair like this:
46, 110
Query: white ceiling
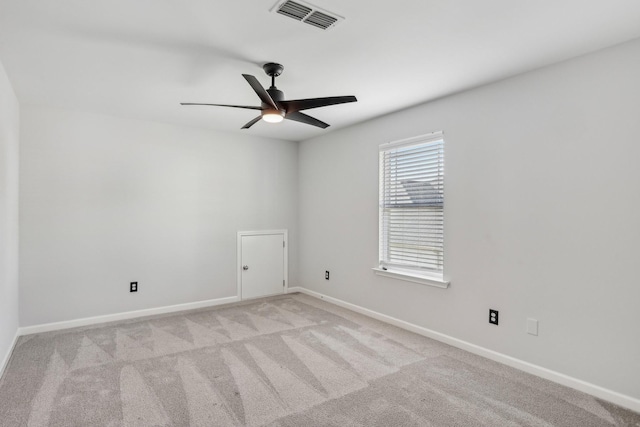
141, 58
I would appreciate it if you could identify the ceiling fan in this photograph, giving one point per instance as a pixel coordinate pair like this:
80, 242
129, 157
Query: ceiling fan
274, 108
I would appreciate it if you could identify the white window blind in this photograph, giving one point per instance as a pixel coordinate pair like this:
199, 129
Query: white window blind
412, 204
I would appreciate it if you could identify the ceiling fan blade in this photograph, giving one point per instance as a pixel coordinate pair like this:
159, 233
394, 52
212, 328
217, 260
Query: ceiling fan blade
260, 91
303, 118
306, 104
252, 122
248, 107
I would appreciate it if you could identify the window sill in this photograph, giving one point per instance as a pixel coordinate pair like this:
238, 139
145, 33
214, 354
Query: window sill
409, 277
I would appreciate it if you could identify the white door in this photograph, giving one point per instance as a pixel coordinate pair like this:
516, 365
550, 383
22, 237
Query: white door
262, 267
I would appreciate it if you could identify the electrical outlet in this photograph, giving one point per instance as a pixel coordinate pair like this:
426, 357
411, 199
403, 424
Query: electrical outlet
326, 275
493, 317
133, 287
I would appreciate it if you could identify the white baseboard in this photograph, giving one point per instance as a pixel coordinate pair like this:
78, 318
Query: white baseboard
5, 359
35, 329
557, 377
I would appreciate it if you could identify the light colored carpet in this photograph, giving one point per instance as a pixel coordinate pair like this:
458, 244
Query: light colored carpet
284, 361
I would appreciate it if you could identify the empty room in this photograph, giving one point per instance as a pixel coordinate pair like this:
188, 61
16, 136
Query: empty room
326, 213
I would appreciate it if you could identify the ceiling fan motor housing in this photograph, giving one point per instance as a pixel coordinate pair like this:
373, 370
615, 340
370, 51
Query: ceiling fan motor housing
276, 94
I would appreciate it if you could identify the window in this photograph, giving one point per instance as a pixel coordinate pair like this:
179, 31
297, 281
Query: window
412, 209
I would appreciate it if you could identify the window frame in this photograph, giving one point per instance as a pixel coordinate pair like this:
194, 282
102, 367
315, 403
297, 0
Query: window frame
409, 273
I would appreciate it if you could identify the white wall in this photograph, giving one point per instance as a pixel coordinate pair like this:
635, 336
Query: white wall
542, 217
106, 201
9, 149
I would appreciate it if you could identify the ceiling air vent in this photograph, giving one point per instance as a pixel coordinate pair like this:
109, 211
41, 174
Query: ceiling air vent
294, 10
321, 20
307, 13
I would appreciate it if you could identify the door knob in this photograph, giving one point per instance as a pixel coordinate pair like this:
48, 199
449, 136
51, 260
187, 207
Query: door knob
245, 267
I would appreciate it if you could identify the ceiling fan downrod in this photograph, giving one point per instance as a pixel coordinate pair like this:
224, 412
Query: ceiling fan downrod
274, 70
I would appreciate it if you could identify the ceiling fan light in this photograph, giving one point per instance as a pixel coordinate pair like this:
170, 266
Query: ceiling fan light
273, 116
